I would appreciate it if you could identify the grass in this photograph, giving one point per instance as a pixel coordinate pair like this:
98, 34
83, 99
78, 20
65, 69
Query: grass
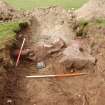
100, 22
8, 32
7, 37
82, 26
29, 4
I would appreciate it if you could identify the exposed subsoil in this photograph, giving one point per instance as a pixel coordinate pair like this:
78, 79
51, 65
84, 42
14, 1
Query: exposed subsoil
16, 89
84, 90
56, 91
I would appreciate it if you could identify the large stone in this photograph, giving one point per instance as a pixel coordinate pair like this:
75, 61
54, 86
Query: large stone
41, 50
76, 56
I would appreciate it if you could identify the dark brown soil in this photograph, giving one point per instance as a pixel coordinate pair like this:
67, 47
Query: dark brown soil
55, 91
83, 90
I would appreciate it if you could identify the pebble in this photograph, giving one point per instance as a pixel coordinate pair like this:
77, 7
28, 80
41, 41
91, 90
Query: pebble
9, 101
40, 65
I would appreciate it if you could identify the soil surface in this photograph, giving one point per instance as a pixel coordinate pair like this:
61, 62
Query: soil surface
93, 9
16, 89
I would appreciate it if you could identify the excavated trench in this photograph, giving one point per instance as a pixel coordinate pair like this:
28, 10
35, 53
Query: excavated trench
19, 90
16, 89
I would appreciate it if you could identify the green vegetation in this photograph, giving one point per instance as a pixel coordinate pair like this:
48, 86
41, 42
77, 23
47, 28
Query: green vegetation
29, 4
100, 22
82, 26
7, 37
8, 32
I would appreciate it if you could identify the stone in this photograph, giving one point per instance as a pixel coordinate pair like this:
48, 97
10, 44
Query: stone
9, 101
40, 65
44, 50
74, 56
41, 51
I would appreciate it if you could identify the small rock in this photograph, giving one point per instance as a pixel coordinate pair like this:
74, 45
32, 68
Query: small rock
9, 101
40, 65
